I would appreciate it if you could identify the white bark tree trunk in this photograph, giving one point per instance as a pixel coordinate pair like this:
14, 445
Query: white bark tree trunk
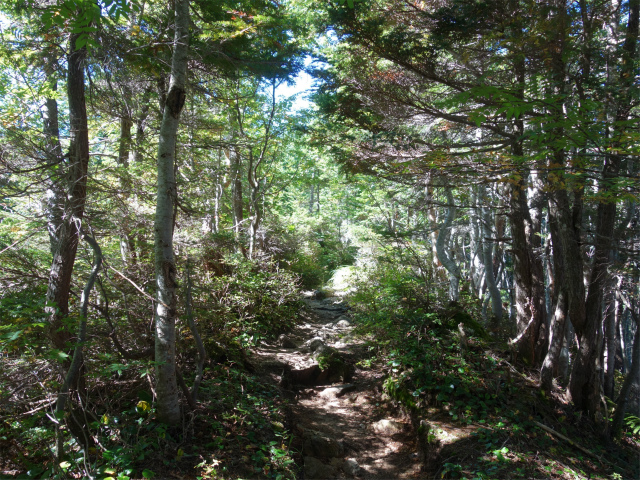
487, 251
447, 260
165, 345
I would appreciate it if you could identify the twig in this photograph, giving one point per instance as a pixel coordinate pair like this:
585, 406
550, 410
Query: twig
136, 286
568, 440
21, 239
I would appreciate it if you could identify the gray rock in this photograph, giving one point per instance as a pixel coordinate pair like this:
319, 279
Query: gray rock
319, 295
324, 350
343, 321
387, 427
315, 469
321, 446
428, 442
286, 342
338, 391
314, 343
351, 467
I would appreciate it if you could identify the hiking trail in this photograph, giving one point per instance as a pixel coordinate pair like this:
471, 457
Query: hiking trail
343, 427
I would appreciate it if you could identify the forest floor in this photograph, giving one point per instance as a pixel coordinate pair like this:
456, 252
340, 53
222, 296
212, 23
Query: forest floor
345, 425
343, 428
328, 400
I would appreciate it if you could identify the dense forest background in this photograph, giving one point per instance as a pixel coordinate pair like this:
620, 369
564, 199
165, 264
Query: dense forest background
461, 164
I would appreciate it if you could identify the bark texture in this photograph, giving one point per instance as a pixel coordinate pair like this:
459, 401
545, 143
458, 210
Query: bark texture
586, 375
165, 344
64, 226
444, 230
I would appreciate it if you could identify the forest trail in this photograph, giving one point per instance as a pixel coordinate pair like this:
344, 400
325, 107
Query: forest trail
341, 424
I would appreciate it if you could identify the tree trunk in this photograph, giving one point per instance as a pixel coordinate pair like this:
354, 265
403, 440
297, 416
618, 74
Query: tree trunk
165, 348
55, 196
127, 245
236, 190
256, 216
444, 230
527, 268
138, 151
67, 231
632, 376
527, 276
556, 342
560, 298
312, 196
487, 250
77, 361
611, 310
584, 386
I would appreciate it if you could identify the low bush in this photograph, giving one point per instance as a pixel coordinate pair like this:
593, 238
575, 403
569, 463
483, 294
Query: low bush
255, 300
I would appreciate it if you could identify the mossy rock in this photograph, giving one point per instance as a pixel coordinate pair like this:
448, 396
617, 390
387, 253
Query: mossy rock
333, 365
319, 294
397, 390
456, 315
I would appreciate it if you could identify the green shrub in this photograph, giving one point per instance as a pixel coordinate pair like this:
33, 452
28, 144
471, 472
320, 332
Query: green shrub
255, 300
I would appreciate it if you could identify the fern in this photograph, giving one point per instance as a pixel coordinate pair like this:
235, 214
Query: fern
633, 423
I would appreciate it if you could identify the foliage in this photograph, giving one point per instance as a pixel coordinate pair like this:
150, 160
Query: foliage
22, 325
255, 300
247, 419
633, 424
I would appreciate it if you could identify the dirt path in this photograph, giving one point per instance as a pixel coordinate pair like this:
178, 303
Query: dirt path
340, 421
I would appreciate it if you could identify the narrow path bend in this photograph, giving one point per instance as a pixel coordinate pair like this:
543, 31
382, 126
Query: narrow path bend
342, 426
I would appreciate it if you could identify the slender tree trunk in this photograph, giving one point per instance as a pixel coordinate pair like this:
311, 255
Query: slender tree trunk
124, 143
77, 361
632, 377
556, 342
138, 151
165, 349
476, 265
127, 245
528, 275
447, 261
67, 231
76, 366
237, 202
56, 195
487, 249
560, 309
256, 216
610, 343
565, 358
312, 196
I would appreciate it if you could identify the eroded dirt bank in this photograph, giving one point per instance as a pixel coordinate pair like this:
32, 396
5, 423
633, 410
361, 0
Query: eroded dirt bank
342, 426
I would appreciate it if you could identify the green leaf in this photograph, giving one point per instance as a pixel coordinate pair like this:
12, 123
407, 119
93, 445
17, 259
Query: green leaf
148, 473
82, 41
11, 336
58, 355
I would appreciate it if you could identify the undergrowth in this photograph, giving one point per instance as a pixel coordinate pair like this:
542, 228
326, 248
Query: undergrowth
484, 414
110, 431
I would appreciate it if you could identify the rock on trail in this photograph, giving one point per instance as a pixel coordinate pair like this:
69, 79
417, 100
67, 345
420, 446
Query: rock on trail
341, 426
